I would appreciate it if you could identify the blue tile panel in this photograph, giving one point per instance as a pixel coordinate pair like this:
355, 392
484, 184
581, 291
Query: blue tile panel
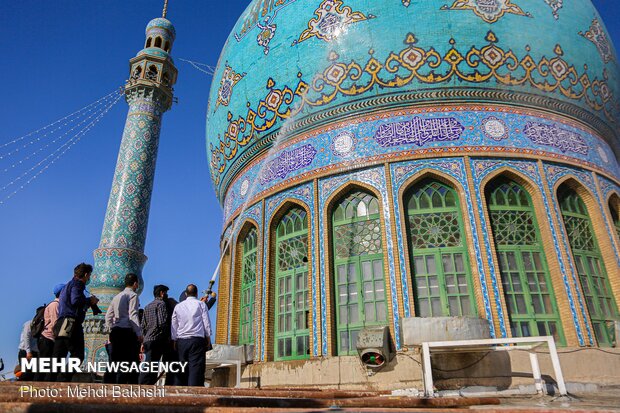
424, 132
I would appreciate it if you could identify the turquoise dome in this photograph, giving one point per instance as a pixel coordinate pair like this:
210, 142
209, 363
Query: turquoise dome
305, 64
161, 23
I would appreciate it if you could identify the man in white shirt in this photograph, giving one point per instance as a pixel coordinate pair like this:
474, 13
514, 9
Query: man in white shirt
190, 328
125, 334
27, 349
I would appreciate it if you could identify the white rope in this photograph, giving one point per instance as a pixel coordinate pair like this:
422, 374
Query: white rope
58, 121
67, 145
96, 106
209, 71
26, 158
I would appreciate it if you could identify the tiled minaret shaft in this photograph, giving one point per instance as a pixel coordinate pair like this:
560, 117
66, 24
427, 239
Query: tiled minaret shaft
149, 94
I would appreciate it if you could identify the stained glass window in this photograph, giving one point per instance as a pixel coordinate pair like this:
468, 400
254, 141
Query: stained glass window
532, 308
358, 268
590, 267
248, 287
440, 268
292, 339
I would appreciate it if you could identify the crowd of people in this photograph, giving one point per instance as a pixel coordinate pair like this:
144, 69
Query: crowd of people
165, 330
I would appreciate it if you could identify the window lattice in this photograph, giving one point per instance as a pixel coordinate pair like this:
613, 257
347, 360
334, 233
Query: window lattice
248, 287
434, 230
356, 205
440, 270
292, 334
358, 268
529, 299
589, 263
292, 253
513, 227
579, 234
294, 220
358, 238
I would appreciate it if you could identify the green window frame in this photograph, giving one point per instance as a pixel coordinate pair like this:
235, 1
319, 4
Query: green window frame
589, 263
292, 333
528, 291
359, 282
247, 291
437, 251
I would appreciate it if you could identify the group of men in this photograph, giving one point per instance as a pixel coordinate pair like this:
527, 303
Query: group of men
167, 330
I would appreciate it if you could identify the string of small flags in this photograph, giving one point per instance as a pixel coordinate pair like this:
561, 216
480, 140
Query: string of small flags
62, 121
50, 159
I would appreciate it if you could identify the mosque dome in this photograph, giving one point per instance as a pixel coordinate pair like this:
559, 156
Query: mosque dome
312, 62
160, 23
369, 153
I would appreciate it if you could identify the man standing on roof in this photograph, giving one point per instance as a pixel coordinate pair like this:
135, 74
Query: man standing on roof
72, 306
125, 334
156, 330
47, 338
190, 329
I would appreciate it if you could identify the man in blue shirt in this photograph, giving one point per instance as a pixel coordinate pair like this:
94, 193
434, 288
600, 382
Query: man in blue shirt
72, 306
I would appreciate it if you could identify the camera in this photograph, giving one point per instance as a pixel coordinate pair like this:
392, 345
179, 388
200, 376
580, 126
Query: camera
96, 309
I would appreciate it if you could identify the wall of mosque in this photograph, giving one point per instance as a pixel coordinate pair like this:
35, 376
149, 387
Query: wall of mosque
576, 319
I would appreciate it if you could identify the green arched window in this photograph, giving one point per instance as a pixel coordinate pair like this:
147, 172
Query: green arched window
589, 263
358, 268
525, 276
438, 254
248, 287
614, 208
291, 309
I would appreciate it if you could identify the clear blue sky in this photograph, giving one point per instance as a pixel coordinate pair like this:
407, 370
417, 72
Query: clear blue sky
62, 55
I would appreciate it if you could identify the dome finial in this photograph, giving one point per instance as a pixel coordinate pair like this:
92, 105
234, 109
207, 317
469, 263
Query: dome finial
163, 14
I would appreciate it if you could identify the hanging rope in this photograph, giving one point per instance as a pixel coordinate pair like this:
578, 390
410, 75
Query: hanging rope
28, 157
204, 68
67, 118
50, 159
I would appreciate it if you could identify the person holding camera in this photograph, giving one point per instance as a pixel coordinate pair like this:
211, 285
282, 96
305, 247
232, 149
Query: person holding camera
125, 334
72, 306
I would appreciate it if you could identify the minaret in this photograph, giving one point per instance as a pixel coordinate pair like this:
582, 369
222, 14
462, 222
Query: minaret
149, 94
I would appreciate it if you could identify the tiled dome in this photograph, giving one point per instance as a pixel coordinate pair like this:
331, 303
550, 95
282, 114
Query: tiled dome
339, 58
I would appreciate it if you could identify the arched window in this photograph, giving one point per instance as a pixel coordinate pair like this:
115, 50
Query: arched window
158, 42
152, 73
437, 248
248, 287
292, 339
149, 42
358, 268
165, 79
589, 263
525, 276
614, 208
167, 46
137, 73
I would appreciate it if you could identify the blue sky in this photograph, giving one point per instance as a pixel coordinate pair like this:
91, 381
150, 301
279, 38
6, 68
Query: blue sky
62, 55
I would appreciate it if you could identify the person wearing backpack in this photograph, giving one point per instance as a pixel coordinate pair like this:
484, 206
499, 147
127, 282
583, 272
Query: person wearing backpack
43, 330
68, 330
